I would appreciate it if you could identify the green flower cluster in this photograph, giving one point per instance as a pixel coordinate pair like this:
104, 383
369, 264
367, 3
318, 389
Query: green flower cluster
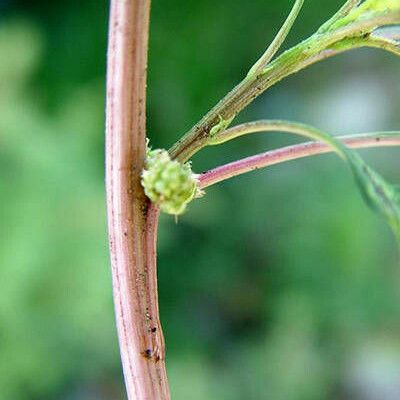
168, 183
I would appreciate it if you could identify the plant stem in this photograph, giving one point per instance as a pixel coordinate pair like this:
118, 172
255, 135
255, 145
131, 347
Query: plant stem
289, 153
344, 10
278, 40
314, 49
132, 221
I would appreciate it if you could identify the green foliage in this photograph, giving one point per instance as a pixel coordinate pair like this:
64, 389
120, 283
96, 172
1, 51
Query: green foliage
285, 279
379, 194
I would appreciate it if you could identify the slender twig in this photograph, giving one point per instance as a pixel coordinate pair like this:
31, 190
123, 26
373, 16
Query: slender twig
344, 10
289, 153
311, 50
132, 222
380, 195
371, 41
265, 125
278, 40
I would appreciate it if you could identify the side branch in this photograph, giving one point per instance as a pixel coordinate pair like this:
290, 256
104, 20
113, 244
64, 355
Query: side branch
289, 153
132, 222
316, 48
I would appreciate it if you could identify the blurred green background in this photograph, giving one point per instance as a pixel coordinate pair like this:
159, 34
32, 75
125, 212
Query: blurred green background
280, 284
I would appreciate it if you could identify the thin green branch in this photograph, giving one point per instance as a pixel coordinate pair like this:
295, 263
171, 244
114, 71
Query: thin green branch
278, 40
351, 44
343, 11
379, 194
276, 126
262, 126
311, 50
356, 29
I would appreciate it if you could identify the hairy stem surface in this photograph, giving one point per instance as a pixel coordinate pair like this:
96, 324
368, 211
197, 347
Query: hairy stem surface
132, 222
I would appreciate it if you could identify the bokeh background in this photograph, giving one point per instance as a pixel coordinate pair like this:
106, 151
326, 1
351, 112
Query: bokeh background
280, 284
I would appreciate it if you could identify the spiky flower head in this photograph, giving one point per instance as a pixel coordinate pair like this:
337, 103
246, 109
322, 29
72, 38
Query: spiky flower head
168, 183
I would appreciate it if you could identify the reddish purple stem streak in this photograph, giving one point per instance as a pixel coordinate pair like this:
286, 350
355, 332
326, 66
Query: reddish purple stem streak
289, 153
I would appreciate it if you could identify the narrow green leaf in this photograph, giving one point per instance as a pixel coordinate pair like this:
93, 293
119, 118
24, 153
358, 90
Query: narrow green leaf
381, 196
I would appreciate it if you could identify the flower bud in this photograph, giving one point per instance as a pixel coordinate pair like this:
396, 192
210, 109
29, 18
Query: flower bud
168, 183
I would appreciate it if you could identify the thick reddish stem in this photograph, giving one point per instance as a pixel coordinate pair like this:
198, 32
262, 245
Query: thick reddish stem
132, 221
